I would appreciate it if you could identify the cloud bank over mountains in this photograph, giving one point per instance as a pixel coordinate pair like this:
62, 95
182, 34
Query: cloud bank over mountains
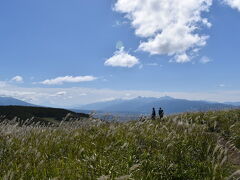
73, 96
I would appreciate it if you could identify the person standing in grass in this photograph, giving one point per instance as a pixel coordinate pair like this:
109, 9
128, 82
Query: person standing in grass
153, 114
161, 113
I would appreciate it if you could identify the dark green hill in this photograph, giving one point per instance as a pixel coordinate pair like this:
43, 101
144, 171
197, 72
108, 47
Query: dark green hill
40, 114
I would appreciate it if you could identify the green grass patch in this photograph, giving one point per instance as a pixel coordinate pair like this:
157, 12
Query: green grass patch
178, 147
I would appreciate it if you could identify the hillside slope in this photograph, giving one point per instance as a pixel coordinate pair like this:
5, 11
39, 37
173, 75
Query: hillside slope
201, 145
41, 114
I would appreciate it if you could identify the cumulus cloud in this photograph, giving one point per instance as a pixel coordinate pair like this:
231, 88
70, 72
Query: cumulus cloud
68, 79
122, 59
168, 27
18, 79
233, 4
205, 60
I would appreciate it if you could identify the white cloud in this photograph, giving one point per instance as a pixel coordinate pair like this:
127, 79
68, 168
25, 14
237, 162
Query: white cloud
205, 60
18, 79
235, 4
122, 59
61, 93
68, 79
182, 58
168, 27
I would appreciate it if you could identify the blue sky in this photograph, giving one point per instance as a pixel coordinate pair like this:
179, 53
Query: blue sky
65, 53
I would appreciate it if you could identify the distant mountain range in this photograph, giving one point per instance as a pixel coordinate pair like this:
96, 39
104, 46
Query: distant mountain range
144, 105
9, 101
139, 105
233, 103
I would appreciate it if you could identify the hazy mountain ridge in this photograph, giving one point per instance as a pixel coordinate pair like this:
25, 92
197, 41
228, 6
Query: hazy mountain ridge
233, 103
145, 104
9, 101
139, 105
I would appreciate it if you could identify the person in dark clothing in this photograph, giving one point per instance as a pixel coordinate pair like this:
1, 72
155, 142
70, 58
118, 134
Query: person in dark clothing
153, 114
161, 113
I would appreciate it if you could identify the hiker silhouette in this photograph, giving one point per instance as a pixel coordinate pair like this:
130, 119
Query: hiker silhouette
161, 113
153, 113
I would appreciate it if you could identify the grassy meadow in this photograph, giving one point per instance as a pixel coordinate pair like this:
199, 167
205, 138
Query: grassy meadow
186, 146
